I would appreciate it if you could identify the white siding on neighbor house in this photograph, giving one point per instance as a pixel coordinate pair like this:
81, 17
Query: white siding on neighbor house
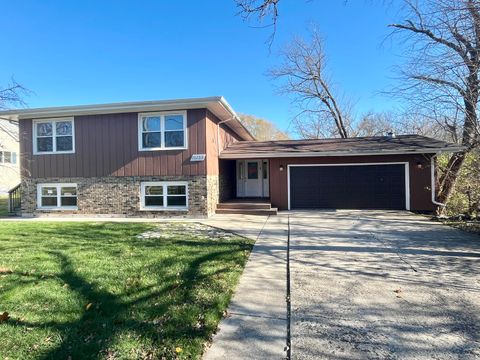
9, 173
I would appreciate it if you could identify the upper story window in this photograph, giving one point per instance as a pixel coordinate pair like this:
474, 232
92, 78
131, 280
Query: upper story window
53, 136
8, 157
162, 131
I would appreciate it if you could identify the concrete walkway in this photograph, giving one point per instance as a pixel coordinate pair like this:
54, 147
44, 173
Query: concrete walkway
256, 324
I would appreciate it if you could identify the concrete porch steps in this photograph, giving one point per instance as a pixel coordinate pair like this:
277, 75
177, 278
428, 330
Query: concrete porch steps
246, 207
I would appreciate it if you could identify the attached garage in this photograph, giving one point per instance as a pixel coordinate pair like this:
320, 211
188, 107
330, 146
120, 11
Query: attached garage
349, 186
381, 172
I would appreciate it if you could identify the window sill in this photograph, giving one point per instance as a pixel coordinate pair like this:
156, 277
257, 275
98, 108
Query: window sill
163, 149
163, 209
53, 152
74, 208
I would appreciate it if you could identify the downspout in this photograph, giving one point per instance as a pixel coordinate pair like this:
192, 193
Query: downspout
218, 132
432, 177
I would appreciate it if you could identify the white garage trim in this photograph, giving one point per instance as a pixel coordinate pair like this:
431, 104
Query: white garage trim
407, 176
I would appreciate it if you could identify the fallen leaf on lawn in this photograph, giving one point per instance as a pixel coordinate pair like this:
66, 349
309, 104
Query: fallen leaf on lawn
178, 350
29, 329
89, 305
48, 339
4, 317
398, 291
5, 270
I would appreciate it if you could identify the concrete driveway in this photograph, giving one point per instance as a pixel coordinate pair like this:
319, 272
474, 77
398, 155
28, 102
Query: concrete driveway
382, 285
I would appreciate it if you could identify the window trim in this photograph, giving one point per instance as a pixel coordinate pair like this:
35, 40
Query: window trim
58, 186
162, 115
165, 185
54, 135
13, 156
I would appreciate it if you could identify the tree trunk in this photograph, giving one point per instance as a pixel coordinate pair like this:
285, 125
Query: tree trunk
448, 180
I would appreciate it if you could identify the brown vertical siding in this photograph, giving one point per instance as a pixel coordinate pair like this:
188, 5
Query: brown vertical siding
227, 137
420, 196
107, 145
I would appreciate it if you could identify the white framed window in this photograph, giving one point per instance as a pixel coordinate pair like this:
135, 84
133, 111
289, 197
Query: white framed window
162, 131
163, 195
57, 196
53, 136
8, 157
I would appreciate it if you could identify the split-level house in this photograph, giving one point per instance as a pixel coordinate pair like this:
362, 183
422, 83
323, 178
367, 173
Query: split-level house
193, 157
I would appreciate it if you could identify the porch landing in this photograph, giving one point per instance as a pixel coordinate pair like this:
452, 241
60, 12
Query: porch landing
246, 206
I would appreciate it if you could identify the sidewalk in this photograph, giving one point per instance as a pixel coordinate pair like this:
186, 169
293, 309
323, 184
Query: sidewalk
256, 324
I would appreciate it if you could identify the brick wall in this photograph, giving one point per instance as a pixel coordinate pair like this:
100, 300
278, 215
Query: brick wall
118, 196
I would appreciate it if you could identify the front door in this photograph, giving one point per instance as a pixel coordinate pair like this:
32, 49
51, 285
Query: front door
252, 178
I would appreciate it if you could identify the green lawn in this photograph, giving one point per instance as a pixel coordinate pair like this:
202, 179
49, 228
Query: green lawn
3, 205
100, 291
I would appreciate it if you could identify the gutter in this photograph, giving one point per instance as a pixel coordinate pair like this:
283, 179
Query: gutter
265, 155
432, 177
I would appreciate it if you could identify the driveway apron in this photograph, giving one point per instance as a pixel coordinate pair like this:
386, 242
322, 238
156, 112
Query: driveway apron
383, 285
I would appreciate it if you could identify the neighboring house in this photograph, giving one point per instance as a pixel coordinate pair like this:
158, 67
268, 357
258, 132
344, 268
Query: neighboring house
184, 157
9, 162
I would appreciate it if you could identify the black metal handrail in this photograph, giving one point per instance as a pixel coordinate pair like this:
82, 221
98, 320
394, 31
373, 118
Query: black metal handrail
14, 200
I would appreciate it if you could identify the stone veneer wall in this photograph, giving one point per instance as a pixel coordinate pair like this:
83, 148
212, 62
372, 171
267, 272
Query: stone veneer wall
117, 196
213, 192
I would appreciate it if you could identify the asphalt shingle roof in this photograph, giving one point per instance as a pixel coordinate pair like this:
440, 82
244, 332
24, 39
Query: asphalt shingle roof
399, 144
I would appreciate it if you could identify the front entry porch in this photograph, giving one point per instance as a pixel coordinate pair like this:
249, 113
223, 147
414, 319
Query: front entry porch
247, 206
252, 178
250, 188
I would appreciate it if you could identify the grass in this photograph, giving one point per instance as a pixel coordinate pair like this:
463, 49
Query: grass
470, 226
3, 205
99, 291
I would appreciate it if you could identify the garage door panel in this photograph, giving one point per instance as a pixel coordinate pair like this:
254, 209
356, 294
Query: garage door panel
348, 187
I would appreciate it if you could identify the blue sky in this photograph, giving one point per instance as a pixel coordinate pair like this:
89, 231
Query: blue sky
81, 52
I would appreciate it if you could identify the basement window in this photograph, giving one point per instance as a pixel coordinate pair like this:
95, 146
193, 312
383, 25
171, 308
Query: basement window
57, 196
164, 196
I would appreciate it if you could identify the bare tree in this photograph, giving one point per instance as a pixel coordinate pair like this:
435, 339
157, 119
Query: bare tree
443, 75
260, 10
12, 94
380, 123
303, 75
262, 129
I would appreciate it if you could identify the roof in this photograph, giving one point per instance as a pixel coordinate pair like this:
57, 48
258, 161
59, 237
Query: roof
216, 104
378, 145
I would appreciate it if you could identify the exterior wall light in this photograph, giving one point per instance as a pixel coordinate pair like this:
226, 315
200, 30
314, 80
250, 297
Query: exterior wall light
281, 168
419, 165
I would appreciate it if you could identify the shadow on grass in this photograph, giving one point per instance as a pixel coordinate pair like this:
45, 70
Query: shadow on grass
171, 312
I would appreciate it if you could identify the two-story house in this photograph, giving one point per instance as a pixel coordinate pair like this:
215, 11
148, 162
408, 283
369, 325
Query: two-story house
190, 156
9, 148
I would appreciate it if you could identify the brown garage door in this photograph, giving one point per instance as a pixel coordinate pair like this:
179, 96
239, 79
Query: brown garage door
348, 187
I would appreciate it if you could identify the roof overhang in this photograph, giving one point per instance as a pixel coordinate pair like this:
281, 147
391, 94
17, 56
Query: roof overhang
269, 155
216, 104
